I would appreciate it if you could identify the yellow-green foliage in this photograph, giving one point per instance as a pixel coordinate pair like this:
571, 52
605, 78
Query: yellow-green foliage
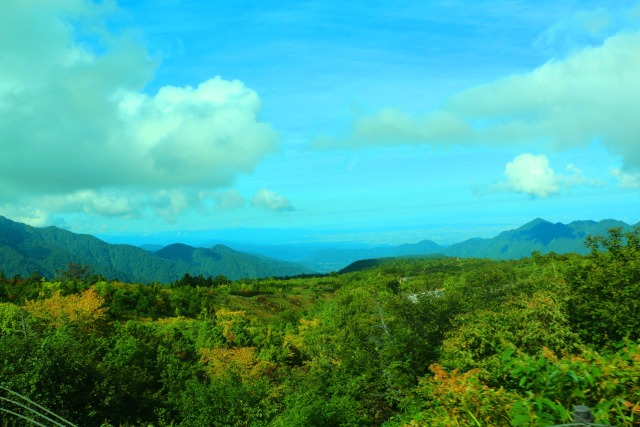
84, 310
538, 390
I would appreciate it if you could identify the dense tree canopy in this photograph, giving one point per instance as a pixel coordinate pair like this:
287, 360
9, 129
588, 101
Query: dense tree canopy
408, 342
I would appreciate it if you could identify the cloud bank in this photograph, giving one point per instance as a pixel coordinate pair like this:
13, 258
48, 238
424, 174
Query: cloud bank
166, 203
592, 95
75, 123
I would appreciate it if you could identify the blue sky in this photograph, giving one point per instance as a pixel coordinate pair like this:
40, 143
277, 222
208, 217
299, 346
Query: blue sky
374, 121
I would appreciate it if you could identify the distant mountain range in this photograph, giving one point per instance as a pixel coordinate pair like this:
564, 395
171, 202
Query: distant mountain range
537, 235
48, 251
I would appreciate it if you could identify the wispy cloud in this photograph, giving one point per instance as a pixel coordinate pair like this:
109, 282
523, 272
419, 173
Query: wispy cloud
625, 179
588, 27
227, 200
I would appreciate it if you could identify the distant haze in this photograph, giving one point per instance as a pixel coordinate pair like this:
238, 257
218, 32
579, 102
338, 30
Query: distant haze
344, 237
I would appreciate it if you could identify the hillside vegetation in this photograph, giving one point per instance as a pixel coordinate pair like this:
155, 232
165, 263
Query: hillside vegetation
406, 342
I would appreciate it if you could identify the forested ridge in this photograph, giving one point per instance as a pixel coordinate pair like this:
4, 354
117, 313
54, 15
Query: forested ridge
407, 342
25, 249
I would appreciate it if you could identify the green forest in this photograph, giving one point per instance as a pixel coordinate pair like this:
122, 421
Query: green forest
406, 342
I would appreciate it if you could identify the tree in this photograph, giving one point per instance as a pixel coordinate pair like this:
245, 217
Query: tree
76, 272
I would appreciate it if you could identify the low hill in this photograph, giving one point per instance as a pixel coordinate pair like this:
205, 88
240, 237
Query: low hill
229, 262
364, 264
368, 264
47, 251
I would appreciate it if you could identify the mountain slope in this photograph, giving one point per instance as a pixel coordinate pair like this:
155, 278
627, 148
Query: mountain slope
47, 251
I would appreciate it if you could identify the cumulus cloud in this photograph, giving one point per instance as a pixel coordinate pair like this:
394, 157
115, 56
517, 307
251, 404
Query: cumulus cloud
592, 95
204, 135
533, 175
271, 201
75, 124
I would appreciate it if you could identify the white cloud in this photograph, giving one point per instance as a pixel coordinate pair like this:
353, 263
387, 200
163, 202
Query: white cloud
532, 174
626, 180
590, 95
271, 201
75, 125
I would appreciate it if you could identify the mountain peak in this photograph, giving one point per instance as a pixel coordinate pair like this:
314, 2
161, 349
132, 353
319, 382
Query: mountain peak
535, 223
220, 247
